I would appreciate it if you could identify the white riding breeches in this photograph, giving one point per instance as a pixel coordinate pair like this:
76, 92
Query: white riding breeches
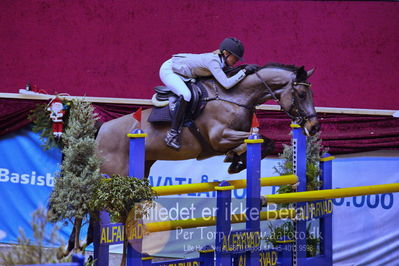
173, 81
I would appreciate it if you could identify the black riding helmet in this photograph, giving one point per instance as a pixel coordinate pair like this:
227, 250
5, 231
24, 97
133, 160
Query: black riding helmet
233, 46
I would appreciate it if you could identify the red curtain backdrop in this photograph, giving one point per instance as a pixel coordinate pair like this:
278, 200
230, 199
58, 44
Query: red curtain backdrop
114, 48
340, 133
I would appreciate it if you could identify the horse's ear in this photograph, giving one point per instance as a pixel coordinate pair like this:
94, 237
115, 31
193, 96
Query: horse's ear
310, 72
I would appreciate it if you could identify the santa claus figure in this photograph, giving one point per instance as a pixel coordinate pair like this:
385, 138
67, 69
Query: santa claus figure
57, 112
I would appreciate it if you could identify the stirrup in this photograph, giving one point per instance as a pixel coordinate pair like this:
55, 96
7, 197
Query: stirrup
172, 139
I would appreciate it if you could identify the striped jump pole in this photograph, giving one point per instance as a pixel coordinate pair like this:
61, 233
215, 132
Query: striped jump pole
299, 165
299, 248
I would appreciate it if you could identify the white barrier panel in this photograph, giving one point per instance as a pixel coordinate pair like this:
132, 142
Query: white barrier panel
365, 228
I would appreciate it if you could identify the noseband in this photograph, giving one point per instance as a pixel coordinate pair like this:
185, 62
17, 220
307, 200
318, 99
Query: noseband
302, 117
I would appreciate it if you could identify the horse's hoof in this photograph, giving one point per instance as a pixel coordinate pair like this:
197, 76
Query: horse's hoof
229, 157
236, 167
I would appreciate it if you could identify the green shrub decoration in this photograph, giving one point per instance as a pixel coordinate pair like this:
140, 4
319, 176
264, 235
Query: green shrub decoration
285, 230
119, 194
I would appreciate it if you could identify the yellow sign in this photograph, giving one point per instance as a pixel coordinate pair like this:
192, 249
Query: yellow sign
240, 241
318, 208
136, 232
112, 234
266, 258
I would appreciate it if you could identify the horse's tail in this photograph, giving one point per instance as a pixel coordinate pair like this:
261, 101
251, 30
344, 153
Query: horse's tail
97, 125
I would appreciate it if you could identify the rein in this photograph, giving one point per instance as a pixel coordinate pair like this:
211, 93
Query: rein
218, 98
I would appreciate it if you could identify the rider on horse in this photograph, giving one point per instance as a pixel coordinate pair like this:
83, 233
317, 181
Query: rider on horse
182, 68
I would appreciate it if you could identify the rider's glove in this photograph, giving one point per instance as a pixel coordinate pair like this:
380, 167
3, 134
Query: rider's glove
250, 69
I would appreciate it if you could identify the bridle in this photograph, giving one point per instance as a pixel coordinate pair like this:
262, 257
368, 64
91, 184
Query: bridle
301, 117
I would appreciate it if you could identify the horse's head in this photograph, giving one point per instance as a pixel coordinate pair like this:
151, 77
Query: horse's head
289, 86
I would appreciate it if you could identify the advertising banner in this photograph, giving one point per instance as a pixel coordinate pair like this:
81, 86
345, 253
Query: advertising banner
26, 180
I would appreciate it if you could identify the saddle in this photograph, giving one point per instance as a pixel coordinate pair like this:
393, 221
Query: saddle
164, 101
164, 110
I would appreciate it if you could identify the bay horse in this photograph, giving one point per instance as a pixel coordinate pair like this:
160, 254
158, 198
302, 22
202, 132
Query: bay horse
224, 123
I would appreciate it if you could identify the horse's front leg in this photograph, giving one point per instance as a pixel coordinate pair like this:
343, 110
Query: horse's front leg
237, 155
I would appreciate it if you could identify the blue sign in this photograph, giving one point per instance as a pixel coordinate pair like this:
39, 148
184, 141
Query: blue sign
27, 175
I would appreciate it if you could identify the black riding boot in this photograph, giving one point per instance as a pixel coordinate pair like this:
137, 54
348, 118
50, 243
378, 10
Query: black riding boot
172, 138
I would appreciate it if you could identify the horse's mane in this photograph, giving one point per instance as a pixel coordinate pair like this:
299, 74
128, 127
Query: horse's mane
301, 74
